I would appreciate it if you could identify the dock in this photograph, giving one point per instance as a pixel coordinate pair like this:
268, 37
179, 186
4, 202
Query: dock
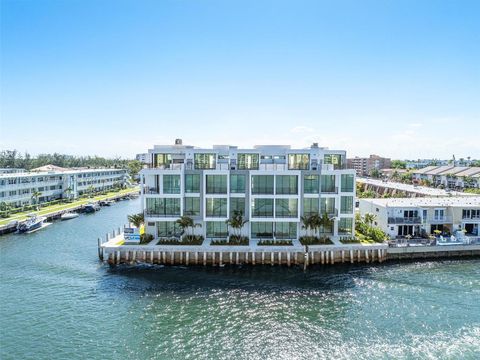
11, 226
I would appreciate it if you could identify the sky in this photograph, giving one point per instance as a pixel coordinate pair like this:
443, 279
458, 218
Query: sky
112, 78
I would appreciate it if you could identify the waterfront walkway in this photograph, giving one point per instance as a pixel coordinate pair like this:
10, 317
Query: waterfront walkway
49, 210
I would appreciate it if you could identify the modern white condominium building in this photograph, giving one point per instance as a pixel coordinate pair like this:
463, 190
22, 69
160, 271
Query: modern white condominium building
273, 186
400, 217
17, 189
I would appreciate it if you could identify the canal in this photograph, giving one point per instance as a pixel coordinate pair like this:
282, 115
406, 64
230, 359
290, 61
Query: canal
58, 302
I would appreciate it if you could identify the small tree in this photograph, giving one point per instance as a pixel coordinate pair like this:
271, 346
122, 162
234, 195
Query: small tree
90, 190
186, 223
325, 221
136, 219
369, 218
306, 224
236, 222
35, 195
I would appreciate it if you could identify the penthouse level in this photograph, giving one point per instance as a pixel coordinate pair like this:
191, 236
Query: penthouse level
273, 186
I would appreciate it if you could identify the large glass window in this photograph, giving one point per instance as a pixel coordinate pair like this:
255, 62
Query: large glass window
192, 206
204, 161
286, 184
311, 184
216, 207
262, 229
310, 206
327, 205
345, 226
168, 229
216, 229
347, 182
286, 207
285, 230
192, 183
216, 184
237, 204
162, 160
335, 159
163, 206
328, 184
237, 183
298, 161
171, 184
346, 204
248, 161
262, 184
262, 207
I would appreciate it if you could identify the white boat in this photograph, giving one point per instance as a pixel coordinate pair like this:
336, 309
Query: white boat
32, 223
68, 216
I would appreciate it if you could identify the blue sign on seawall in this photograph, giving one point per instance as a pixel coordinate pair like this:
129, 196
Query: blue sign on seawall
131, 234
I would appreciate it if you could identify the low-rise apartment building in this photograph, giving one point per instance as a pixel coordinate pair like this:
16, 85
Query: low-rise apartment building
18, 189
400, 217
364, 166
450, 176
273, 186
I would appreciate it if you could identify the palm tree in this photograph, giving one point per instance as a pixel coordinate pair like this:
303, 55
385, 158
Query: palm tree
306, 223
185, 223
90, 190
325, 221
68, 191
6, 207
136, 219
236, 222
369, 218
35, 195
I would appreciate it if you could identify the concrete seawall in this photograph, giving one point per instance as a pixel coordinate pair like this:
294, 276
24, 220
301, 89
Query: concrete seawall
114, 252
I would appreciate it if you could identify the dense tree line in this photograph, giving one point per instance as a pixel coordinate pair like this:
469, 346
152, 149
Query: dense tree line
15, 159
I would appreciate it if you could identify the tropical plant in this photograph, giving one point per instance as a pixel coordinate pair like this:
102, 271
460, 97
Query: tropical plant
307, 224
35, 195
90, 190
68, 191
136, 219
325, 222
369, 218
236, 222
186, 223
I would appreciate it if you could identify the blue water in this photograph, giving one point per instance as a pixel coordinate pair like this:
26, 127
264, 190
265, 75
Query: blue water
58, 302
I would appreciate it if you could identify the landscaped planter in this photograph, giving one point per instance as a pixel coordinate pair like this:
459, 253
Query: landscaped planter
275, 243
232, 241
187, 240
313, 240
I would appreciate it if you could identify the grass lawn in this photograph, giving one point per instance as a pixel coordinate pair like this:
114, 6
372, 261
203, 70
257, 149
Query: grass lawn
53, 208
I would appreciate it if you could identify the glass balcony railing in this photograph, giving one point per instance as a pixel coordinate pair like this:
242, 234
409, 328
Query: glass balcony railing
405, 220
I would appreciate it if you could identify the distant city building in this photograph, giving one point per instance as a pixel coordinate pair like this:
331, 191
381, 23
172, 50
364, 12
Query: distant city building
53, 182
144, 158
423, 216
449, 176
272, 185
421, 163
364, 166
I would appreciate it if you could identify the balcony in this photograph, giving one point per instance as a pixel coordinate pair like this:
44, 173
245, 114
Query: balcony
405, 220
438, 220
154, 214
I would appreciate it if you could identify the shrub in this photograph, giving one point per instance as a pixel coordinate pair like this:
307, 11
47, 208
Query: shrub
275, 243
187, 240
145, 238
313, 240
233, 240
